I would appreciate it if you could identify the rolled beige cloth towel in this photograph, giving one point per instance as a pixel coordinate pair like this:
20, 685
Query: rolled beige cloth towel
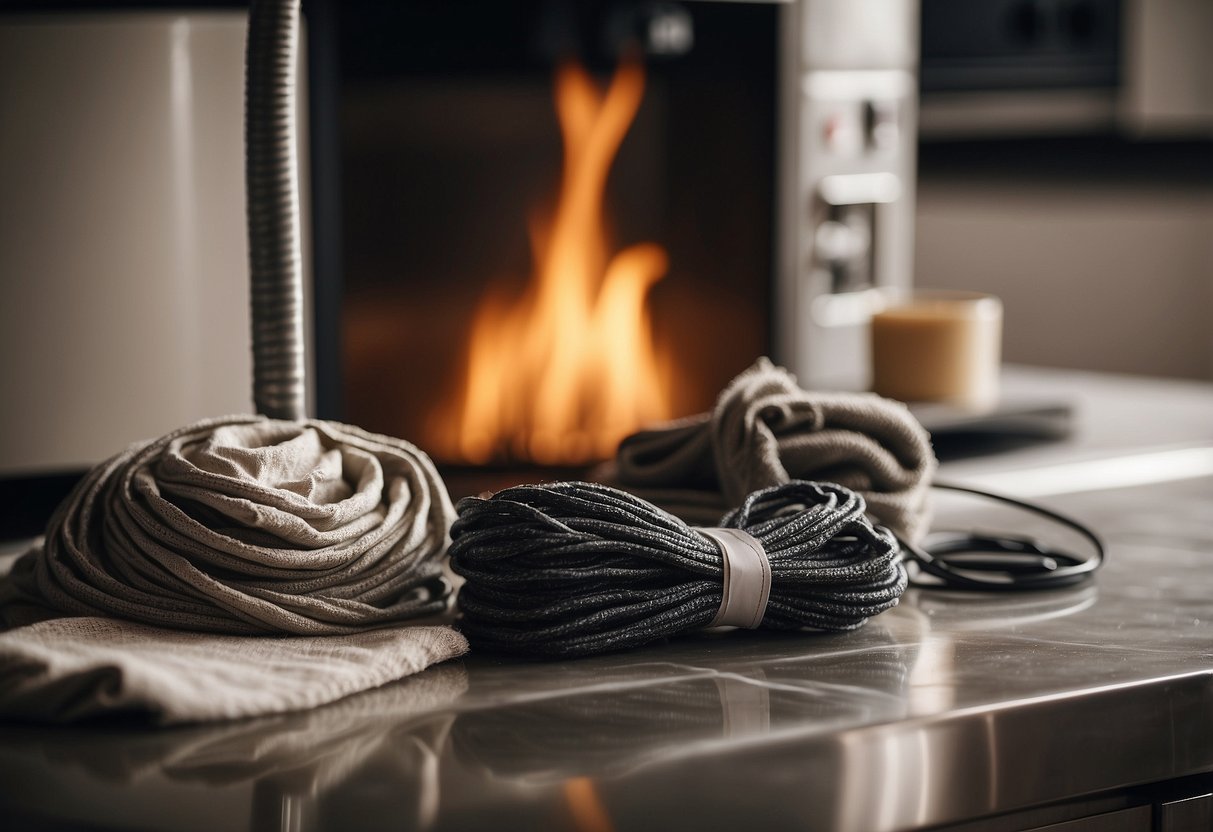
247, 525
765, 430
243, 526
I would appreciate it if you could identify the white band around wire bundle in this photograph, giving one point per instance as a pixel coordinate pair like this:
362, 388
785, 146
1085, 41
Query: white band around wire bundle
746, 572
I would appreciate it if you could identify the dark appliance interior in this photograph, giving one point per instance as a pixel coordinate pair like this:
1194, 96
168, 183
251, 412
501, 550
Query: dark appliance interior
435, 144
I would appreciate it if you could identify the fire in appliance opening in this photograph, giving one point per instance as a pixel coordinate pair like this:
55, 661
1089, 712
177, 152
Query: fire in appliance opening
519, 259
559, 374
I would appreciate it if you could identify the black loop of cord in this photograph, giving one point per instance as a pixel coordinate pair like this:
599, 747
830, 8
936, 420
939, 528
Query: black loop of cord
572, 569
1002, 562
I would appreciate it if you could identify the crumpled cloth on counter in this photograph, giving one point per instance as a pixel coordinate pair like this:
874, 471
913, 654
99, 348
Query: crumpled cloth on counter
309, 757
73, 669
304, 550
764, 431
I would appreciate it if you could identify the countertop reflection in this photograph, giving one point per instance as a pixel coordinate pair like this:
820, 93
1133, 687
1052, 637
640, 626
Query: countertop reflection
949, 707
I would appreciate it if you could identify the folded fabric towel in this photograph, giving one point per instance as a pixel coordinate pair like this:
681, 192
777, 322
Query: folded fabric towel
72, 669
765, 431
240, 526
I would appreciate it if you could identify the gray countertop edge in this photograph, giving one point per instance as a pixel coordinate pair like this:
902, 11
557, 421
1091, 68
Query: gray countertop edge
971, 762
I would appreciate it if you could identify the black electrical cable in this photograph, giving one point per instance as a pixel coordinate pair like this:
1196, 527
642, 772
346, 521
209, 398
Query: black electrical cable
573, 568
1002, 562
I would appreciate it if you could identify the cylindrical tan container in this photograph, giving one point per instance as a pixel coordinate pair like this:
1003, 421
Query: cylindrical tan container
938, 346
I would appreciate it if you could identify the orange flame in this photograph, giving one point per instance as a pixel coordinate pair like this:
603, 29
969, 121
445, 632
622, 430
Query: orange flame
562, 373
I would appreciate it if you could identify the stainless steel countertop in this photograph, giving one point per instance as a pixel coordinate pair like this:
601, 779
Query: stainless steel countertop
951, 706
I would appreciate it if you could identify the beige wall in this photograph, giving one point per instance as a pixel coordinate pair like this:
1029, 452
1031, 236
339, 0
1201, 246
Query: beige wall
123, 264
1105, 277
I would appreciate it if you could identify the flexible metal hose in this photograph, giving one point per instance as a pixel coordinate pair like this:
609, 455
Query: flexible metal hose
272, 182
571, 569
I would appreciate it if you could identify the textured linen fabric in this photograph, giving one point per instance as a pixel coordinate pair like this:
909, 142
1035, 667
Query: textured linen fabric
764, 431
246, 525
71, 669
313, 752
242, 526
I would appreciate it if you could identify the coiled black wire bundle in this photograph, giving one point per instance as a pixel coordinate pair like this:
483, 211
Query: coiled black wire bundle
574, 568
